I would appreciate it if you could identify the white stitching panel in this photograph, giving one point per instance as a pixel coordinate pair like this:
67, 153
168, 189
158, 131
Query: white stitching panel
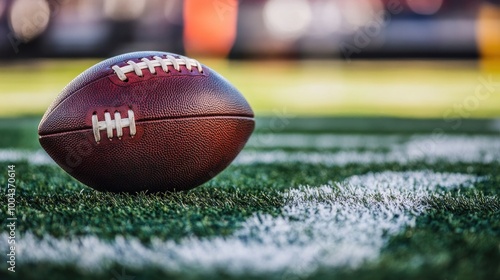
119, 72
186, 61
131, 122
95, 128
157, 62
118, 125
136, 68
109, 125
162, 63
174, 62
150, 65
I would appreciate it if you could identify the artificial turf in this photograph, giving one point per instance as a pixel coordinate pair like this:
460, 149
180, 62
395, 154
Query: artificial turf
458, 237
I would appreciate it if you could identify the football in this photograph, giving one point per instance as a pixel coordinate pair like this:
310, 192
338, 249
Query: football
146, 121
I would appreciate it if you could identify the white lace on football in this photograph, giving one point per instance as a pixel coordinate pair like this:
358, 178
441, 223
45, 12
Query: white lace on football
169, 60
110, 125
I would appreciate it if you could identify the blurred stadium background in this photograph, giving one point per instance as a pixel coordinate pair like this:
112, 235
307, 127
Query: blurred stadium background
283, 28
266, 41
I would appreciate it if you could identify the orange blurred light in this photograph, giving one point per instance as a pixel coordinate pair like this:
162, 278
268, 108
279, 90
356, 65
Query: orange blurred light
488, 36
210, 27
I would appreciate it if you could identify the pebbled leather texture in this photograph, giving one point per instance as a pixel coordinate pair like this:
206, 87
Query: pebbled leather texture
189, 127
164, 95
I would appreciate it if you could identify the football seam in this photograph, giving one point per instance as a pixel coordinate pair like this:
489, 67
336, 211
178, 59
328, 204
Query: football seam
169, 60
109, 73
77, 90
152, 120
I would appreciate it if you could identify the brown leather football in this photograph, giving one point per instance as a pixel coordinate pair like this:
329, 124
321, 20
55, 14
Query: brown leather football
146, 121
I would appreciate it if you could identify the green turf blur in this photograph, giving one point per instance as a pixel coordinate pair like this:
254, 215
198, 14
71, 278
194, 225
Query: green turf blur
424, 89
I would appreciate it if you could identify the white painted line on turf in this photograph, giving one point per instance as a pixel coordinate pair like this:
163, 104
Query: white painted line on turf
424, 148
38, 157
328, 226
421, 148
323, 141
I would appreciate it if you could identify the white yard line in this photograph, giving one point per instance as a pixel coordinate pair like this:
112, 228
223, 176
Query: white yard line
38, 157
424, 148
328, 226
323, 141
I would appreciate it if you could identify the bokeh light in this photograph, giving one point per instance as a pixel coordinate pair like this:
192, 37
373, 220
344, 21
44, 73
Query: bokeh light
287, 19
29, 18
358, 13
327, 18
425, 7
210, 27
124, 9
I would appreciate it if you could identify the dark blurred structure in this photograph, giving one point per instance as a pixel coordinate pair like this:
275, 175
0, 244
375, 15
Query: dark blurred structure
265, 28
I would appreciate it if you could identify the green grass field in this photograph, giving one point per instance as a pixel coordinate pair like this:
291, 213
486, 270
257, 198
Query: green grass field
317, 193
